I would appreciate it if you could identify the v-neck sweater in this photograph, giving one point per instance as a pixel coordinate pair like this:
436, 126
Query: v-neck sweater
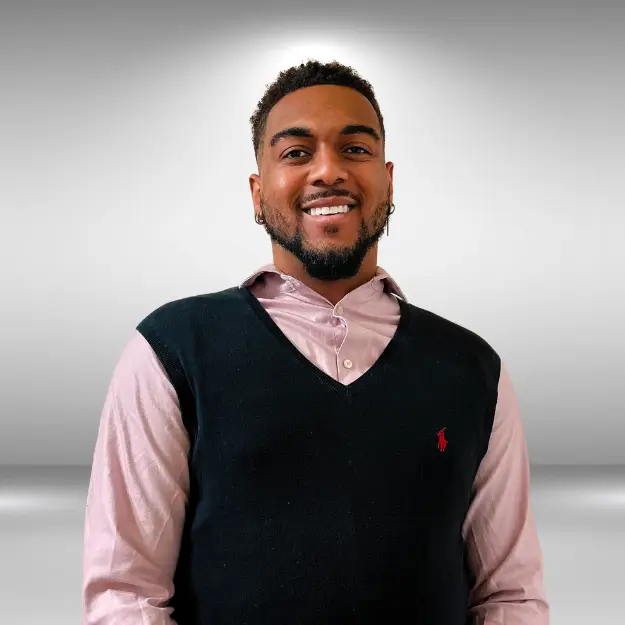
346, 509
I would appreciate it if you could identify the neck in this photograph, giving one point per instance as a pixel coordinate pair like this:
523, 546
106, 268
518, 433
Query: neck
333, 290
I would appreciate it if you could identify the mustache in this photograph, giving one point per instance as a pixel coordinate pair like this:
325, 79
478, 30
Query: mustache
322, 195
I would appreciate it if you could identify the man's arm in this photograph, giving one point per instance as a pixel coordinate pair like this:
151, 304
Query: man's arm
137, 494
502, 543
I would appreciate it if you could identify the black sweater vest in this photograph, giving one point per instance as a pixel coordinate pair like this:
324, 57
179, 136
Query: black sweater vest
312, 502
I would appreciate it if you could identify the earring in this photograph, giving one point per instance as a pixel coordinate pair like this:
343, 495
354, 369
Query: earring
259, 219
391, 210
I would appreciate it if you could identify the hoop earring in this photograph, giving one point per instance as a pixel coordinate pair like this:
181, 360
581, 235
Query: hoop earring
391, 210
259, 219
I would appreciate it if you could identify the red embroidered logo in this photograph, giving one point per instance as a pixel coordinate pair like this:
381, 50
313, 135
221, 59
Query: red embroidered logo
442, 442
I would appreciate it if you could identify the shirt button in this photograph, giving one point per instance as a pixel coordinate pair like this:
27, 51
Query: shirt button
340, 310
347, 364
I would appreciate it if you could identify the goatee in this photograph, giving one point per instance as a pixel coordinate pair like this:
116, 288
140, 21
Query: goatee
334, 264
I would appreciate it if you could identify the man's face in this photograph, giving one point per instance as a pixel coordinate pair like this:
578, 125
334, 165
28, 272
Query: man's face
342, 168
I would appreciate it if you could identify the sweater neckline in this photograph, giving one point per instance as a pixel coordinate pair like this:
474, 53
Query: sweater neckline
267, 321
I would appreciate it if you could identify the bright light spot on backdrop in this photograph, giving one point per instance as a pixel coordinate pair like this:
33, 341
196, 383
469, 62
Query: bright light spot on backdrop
294, 53
286, 53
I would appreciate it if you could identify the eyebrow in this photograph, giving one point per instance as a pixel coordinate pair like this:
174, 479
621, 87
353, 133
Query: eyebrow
300, 131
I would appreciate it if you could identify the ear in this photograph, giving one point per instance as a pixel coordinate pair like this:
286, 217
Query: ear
255, 188
389, 172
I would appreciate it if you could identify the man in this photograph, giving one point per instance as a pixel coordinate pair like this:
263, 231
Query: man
309, 447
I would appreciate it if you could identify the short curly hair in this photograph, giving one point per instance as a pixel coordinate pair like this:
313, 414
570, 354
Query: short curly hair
307, 75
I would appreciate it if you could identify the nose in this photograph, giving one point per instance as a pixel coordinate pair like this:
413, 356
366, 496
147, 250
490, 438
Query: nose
327, 167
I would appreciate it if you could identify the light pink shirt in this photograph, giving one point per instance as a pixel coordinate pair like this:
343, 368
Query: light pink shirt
139, 479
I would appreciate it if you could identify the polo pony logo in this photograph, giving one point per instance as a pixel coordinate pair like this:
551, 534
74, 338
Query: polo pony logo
442, 442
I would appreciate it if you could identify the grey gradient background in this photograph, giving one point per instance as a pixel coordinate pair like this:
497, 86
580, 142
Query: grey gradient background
125, 151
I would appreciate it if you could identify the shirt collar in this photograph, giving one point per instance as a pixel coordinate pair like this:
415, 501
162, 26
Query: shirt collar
381, 279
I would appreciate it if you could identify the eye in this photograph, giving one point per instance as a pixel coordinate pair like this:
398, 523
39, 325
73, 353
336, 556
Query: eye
293, 152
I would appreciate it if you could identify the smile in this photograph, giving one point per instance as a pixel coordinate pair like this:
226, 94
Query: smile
328, 210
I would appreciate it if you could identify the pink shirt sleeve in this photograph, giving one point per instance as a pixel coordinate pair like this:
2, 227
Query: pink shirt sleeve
502, 542
137, 495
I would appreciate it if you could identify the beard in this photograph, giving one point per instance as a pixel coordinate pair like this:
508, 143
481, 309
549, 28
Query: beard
325, 264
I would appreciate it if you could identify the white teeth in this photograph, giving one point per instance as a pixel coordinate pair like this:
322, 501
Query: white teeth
328, 210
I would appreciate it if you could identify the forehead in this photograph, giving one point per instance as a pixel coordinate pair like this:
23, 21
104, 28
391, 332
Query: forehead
322, 107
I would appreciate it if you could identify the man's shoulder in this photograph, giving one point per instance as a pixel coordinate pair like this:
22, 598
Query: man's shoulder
185, 311
446, 336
